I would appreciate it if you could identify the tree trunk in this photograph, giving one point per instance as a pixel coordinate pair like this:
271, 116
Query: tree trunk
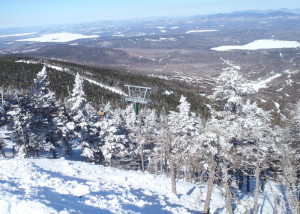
257, 172
141, 144
297, 202
263, 180
161, 164
194, 174
292, 200
54, 154
166, 166
189, 172
200, 183
14, 151
241, 179
237, 177
274, 198
281, 211
142, 158
226, 182
178, 172
2, 144
173, 179
24, 143
156, 165
2, 152
248, 181
209, 189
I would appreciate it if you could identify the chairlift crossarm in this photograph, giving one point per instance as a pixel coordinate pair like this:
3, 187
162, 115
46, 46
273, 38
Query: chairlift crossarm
137, 94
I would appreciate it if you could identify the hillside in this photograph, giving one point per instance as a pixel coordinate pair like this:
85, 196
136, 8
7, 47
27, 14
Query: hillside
100, 83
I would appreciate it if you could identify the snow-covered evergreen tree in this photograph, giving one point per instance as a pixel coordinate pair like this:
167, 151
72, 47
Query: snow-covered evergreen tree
43, 108
181, 127
79, 126
115, 144
20, 126
61, 133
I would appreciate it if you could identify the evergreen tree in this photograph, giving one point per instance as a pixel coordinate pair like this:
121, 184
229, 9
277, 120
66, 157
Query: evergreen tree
43, 108
20, 126
115, 146
79, 125
180, 128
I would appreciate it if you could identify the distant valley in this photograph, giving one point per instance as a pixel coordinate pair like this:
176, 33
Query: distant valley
182, 49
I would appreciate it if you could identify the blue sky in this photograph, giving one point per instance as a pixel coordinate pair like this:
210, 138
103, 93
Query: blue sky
21, 13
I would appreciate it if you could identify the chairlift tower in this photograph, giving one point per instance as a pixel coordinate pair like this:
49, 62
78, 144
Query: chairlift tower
137, 95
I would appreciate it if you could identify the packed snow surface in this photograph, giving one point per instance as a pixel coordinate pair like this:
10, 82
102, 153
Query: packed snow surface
58, 37
62, 186
260, 44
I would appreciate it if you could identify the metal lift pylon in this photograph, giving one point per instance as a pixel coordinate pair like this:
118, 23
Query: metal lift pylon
137, 95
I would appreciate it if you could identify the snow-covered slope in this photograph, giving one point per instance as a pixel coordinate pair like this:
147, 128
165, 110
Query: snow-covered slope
62, 186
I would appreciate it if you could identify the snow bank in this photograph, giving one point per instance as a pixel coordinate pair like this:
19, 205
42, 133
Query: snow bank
260, 44
57, 37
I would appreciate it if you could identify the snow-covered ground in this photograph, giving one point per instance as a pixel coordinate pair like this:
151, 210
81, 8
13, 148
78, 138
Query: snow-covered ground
57, 37
63, 186
260, 44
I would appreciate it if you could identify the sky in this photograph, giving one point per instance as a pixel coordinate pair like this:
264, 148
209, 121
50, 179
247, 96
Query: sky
23, 13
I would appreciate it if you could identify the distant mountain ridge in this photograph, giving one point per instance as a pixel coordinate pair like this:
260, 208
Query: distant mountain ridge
285, 12
256, 14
